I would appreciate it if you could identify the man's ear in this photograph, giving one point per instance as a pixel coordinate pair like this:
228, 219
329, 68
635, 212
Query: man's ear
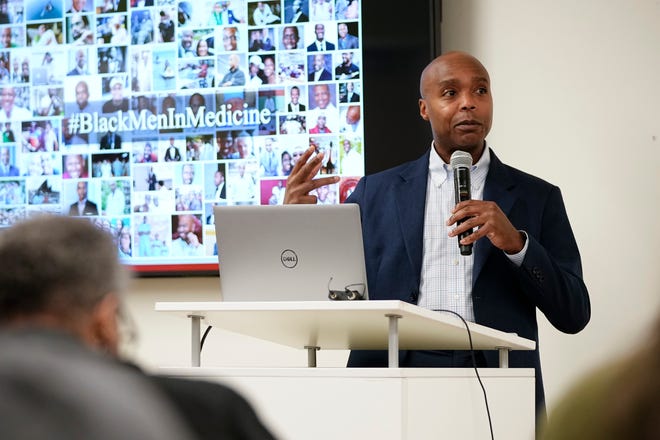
422, 109
104, 326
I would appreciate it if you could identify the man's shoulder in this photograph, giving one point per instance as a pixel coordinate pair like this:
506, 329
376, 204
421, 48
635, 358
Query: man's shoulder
528, 183
527, 177
193, 390
47, 362
402, 171
213, 410
518, 175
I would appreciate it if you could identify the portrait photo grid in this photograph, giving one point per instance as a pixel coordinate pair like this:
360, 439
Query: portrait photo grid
142, 115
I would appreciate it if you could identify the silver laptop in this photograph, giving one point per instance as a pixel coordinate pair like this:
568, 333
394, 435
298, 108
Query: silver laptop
290, 252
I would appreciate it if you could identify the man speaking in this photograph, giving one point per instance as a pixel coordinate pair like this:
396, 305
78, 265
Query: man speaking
524, 253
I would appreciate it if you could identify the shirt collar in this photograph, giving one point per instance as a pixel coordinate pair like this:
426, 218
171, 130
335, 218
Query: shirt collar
441, 171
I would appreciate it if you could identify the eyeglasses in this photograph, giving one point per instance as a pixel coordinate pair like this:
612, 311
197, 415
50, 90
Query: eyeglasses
230, 37
126, 326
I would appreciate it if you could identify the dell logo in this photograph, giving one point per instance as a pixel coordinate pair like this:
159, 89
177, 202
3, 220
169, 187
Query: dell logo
289, 258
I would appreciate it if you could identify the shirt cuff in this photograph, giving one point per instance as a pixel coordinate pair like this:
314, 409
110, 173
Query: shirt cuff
518, 258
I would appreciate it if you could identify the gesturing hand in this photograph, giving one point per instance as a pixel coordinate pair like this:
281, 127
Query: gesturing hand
301, 180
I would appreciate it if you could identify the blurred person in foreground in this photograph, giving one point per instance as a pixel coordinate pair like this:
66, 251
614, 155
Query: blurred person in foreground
58, 337
618, 401
68, 308
525, 255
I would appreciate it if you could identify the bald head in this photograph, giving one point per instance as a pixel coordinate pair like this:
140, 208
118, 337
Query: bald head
444, 65
457, 102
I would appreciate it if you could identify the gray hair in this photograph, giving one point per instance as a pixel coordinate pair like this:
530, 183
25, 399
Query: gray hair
56, 263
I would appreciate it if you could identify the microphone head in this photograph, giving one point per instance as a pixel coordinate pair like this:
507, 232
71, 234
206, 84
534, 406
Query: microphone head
460, 159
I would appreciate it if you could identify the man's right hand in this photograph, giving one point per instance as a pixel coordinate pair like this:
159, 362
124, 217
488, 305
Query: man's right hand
301, 180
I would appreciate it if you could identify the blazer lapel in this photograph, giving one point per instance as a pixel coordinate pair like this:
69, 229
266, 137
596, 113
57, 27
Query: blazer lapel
499, 184
410, 197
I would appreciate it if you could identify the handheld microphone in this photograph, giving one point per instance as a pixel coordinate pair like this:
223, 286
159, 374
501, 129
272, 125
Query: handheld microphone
461, 162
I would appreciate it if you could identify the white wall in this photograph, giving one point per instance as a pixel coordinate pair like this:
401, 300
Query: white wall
576, 103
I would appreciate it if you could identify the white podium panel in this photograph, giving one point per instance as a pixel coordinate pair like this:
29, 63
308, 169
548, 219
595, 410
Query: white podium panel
368, 403
383, 403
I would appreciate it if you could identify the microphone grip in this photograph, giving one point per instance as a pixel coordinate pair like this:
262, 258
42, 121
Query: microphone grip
466, 249
461, 193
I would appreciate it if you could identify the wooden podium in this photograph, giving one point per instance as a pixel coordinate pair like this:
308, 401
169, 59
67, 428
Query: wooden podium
355, 403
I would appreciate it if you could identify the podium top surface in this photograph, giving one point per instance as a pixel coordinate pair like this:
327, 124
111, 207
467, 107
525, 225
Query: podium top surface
346, 324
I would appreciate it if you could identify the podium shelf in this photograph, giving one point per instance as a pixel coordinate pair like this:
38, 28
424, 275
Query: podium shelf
367, 325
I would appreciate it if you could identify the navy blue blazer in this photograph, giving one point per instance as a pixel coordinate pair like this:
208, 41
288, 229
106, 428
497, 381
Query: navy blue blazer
505, 297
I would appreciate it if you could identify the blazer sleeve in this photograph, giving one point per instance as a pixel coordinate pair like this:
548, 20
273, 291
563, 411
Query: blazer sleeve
213, 411
551, 272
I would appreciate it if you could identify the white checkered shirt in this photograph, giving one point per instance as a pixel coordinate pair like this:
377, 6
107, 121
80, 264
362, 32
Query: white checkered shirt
446, 281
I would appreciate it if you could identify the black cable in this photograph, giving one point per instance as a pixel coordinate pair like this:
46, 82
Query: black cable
474, 365
206, 332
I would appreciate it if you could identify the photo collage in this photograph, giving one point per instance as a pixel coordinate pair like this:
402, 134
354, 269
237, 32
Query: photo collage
142, 115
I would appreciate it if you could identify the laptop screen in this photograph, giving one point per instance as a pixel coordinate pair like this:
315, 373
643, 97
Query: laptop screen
290, 252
